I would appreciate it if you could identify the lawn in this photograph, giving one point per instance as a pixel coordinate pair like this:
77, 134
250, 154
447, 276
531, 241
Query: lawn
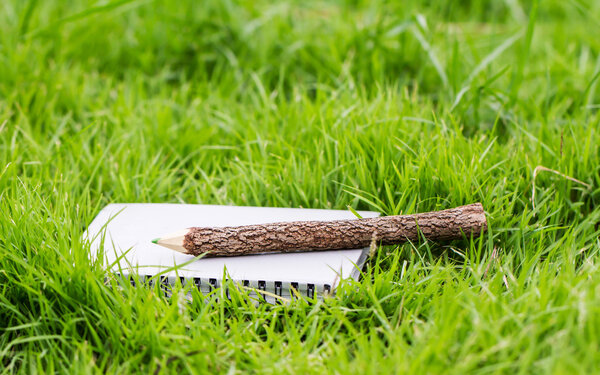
396, 108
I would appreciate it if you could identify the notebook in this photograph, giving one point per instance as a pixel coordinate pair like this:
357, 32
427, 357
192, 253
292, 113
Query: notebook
122, 235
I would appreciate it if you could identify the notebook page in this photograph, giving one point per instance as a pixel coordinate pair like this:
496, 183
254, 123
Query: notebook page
133, 226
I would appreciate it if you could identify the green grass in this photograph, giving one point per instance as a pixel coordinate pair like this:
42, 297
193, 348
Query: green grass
395, 108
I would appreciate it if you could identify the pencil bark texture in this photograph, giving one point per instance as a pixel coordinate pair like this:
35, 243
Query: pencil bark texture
338, 234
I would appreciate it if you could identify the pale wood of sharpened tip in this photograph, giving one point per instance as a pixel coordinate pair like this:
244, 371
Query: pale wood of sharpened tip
298, 236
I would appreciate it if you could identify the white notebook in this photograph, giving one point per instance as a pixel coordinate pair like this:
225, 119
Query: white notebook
129, 229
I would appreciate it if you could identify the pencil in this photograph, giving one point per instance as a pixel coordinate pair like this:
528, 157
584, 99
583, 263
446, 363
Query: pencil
298, 236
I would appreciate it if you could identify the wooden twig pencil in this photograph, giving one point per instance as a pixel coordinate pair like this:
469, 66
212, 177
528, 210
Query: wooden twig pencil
327, 235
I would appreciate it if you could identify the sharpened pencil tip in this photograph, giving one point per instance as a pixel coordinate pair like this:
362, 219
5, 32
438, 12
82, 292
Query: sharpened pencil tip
155, 240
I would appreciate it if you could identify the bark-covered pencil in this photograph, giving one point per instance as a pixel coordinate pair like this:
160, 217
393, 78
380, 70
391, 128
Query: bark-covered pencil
327, 235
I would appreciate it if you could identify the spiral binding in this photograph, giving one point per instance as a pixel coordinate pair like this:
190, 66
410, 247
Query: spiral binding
209, 285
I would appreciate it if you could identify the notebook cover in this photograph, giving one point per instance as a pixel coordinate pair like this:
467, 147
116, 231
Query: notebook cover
130, 227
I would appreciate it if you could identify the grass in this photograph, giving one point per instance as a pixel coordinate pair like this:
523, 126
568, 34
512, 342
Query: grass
395, 108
